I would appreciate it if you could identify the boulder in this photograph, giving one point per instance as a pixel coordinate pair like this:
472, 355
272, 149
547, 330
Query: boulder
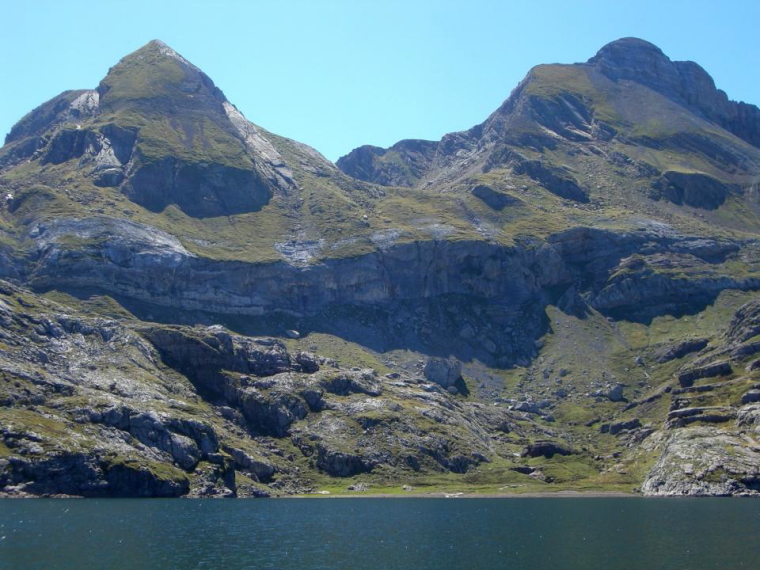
751, 397
443, 371
613, 392
528, 407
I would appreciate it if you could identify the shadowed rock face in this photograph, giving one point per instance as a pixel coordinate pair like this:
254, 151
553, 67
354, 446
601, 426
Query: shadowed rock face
693, 189
494, 199
198, 190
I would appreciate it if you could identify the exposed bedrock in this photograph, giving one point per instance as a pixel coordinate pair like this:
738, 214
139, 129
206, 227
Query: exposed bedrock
90, 476
693, 189
199, 190
704, 461
144, 264
436, 282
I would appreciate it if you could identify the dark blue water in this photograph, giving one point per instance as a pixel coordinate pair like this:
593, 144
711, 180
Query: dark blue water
513, 534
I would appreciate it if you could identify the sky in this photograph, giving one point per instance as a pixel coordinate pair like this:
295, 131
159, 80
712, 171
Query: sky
337, 74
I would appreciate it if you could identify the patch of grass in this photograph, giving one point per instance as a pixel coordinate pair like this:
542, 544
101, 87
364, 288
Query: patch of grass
160, 470
346, 353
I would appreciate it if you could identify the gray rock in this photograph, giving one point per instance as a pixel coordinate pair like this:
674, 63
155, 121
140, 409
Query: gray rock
443, 371
704, 461
687, 377
528, 407
494, 199
751, 397
680, 350
613, 392
617, 427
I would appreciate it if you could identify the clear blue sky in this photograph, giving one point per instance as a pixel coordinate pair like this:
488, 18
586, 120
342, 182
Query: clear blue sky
336, 74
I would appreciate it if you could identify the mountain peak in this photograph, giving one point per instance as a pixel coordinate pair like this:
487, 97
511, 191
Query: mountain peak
156, 72
684, 82
159, 49
157, 43
625, 48
637, 60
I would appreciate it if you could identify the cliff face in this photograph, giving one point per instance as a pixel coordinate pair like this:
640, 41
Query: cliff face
578, 257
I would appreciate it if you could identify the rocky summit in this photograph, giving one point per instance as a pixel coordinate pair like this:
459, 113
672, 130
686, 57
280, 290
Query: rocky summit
563, 297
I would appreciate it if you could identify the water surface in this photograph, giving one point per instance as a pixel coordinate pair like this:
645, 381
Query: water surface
514, 534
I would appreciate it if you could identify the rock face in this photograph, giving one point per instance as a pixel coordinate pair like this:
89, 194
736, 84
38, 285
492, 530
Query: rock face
697, 190
494, 199
198, 191
699, 461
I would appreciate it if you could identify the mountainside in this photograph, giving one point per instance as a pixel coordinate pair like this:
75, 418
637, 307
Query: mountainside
562, 297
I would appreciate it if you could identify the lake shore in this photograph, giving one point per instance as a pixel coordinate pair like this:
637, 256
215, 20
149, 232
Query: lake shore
464, 495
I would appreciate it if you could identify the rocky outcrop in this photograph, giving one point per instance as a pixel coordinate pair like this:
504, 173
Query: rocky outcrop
186, 441
704, 461
442, 371
87, 475
555, 181
206, 351
546, 449
666, 354
709, 415
693, 189
199, 190
494, 199
618, 427
687, 377
745, 324
643, 286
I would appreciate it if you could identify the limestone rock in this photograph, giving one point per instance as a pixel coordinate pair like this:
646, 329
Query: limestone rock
443, 371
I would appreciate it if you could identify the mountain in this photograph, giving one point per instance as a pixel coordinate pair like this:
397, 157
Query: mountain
562, 297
